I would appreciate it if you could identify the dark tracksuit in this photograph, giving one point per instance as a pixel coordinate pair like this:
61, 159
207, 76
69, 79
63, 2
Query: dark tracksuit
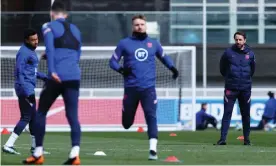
268, 115
237, 67
63, 50
25, 83
203, 119
139, 85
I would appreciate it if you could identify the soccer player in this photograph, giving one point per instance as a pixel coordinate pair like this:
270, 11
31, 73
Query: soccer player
237, 66
203, 119
138, 70
269, 112
25, 83
63, 50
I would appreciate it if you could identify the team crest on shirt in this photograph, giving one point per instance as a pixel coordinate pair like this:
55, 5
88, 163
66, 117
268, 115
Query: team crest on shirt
149, 45
141, 54
247, 56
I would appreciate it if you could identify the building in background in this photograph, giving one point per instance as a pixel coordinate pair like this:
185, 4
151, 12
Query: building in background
173, 22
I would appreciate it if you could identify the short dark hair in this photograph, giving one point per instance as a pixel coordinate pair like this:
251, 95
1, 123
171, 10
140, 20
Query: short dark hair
139, 16
203, 104
240, 33
270, 94
29, 32
60, 6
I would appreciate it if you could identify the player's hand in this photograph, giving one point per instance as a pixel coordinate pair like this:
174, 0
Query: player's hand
56, 78
125, 71
175, 72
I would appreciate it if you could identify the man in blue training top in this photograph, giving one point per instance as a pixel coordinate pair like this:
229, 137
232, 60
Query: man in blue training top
63, 50
269, 114
25, 83
203, 119
237, 66
138, 52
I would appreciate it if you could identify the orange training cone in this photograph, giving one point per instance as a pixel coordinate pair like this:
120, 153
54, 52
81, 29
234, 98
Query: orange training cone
173, 135
171, 159
5, 131
140, 130
240, 138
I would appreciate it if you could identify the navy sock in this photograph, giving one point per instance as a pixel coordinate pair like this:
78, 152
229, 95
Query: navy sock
149, 104
40, 126
20, 126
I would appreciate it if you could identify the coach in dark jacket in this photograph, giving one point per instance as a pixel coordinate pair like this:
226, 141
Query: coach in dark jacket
237, 66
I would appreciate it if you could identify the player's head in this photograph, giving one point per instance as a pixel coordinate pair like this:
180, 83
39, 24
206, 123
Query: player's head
204, 106
240, 39
31, 38
270, 94
59, 10
139, 24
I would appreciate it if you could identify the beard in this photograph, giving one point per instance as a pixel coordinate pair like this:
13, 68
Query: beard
140, 35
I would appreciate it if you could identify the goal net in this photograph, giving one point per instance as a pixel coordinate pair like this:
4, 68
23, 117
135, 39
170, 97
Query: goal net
101, 93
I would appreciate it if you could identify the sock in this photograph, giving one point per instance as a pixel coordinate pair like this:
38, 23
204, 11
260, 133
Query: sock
38, 151
33, 141
40, 128
153, 144
74, 152
13, 137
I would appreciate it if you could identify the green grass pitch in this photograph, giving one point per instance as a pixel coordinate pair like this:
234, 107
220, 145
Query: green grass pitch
131, 148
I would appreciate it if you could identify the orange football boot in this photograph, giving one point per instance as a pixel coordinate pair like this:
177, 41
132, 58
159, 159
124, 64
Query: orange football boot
73, 161
34, 160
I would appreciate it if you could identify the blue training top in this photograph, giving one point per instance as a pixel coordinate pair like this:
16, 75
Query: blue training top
26, 71
139, 56
63, 49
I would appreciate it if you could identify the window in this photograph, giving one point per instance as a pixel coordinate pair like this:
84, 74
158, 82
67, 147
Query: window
270, 1
270, 19
218, 19
270, 36
186, 9
218, 1
216, 9
251, 35
247, 19
247, 9
186, 36
186, 19
247, 1
186, 1
218, 36
270, 9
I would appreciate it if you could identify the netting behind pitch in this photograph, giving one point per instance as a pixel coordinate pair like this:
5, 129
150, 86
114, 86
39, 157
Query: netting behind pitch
101, 92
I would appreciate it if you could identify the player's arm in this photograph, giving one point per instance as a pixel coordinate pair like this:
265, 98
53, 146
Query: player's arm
253, 65
166, 60
50, 50
41, 76
115, 59
20, 67
223, 64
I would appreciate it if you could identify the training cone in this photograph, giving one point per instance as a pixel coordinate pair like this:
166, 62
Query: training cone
140, 130
171, 159
99, 153
5, 131
173, 135
240, 138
